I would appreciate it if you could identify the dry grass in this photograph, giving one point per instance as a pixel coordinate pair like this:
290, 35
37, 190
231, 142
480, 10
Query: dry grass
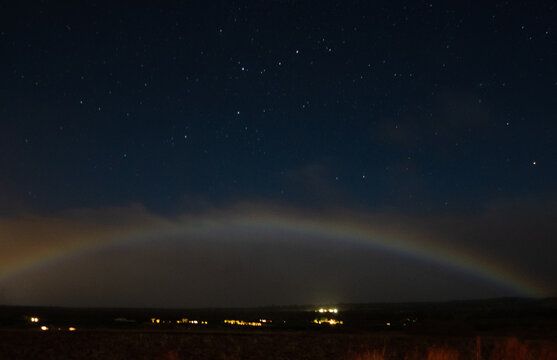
435, 353
171, 355
514, 349
511, 349
113, 345
548, 354
374, 354
474, 349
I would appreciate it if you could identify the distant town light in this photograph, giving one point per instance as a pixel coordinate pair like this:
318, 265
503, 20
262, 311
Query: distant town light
34, 319
327, 321
329, 310
242, 323
44, 328
71, 328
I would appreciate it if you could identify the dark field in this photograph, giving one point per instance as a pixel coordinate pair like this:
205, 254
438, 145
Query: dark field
257, 345
490, 330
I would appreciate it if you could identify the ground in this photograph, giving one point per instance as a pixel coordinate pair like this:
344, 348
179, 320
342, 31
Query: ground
172, 345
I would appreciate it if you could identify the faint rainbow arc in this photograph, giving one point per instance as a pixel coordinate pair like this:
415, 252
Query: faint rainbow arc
459, 260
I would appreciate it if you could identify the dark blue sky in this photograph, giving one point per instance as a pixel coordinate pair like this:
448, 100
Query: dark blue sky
432, 104
415, 108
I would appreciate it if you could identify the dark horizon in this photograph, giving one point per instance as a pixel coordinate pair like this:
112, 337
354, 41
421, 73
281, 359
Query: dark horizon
302, 307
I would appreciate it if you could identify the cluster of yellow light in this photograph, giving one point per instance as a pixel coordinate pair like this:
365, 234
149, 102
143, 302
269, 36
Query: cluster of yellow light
34, 319
181, 321
327, 321
44, 328
265, 321
243, 323
330, 310
71, 328
388, 323
195, 322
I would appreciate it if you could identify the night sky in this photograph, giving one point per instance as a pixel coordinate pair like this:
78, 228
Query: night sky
227, 153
